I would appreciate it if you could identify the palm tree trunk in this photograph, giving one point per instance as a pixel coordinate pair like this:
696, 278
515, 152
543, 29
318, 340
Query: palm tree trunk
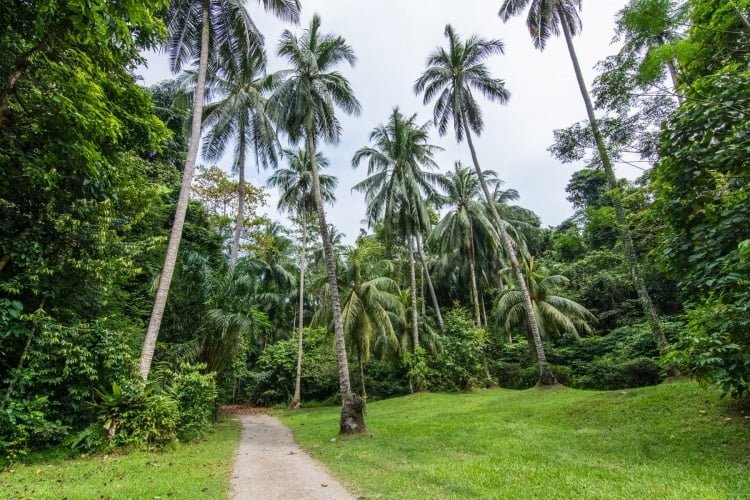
4, 261
673, 75
165, 280
297, 399
421, 290
413, 280
484, 312
240, 220
352, 406
627, 239
431, 288
361, 372
546, 377
473, 277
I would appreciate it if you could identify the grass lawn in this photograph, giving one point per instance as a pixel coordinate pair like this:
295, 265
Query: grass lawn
670, 441
200, 469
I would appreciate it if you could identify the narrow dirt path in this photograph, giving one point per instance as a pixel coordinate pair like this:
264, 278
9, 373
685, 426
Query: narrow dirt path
270, 465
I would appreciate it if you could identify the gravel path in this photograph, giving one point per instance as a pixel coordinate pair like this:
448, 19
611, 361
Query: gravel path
270, 465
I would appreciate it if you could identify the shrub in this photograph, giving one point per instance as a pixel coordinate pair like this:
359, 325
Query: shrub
608, 374
461, 364
197, 400
273, 380
129, 416
23, 424
516, 376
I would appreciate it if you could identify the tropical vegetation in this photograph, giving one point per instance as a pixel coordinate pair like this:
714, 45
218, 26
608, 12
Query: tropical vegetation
142, 285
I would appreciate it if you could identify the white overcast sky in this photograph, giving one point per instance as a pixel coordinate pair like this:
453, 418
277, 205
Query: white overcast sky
392, 39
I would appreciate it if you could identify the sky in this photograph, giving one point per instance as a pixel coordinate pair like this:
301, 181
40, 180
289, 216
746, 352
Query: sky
392, 39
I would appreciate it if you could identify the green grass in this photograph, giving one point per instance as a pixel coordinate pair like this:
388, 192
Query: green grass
200, 469
670, 441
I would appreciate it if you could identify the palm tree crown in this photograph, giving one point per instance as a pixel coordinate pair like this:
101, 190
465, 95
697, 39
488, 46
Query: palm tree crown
543, 19
397, 181
557, 314
453, 75
295, 182
307, 98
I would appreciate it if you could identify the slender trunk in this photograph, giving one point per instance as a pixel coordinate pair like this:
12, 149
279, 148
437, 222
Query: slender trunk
352, 406
297, 399
673, 75
421, 289
430, 287
149, 343
546, 377
484, 312
4, 261
627, 239
21, 360
473, 279
240, 221
361, 373
413, 281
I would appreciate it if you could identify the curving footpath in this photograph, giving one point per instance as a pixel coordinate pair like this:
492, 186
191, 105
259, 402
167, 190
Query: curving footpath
270, 465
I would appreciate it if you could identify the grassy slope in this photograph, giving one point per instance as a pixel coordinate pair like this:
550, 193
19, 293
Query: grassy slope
670, 441
193, 470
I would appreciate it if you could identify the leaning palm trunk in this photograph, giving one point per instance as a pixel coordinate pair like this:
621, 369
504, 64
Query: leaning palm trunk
546, 377
413, 282
352, 406
297, 399
240, 221
473, 276
430, 287
165, 280
627, 239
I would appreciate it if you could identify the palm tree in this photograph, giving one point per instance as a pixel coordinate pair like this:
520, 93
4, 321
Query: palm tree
467, 223
452, 76
296, 188
556, 314
371, 309
206, 30
547, 18
239, 116
397, 186
304, 105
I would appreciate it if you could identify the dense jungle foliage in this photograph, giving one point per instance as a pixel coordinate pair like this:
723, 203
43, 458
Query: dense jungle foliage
451, 286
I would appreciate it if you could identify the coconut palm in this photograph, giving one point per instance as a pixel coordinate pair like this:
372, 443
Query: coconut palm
545, 19
556, 314
239, 116
396, 187
296, 198
467, 224
202, 30
452, 76
371, 308
305, 105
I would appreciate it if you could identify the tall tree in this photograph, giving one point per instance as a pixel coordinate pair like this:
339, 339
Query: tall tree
305, 106
466, 225
295, 185
397, 186
547, 18
371, 309
239, 116
206, 30
452, 76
